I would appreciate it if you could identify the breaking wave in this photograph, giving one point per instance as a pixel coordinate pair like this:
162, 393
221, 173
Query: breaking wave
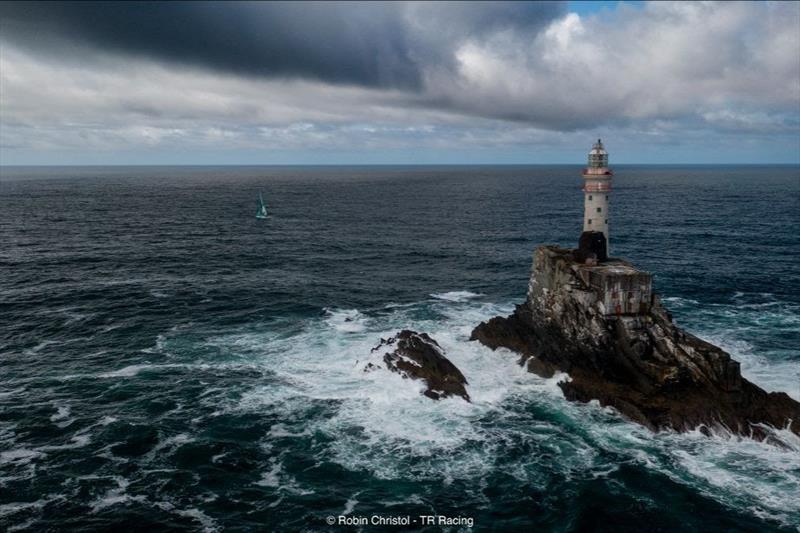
384, 426
308, 379
456, 296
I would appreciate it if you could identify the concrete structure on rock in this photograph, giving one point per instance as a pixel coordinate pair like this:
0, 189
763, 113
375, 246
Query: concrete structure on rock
620, 288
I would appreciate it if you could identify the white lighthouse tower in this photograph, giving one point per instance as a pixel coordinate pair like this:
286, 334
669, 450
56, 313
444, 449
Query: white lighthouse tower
596, 190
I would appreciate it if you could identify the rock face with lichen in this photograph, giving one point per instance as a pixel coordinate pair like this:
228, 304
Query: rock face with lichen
417, 356
637, 361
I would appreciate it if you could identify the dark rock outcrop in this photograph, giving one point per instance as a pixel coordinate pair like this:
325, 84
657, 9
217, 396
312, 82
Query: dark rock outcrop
642, 364
417, 356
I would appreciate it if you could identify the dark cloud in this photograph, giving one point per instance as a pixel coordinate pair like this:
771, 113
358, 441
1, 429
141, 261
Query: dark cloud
381, 44
298, 76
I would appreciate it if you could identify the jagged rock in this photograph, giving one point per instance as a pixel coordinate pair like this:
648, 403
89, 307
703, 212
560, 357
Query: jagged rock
371, 366
641, 363
417, 356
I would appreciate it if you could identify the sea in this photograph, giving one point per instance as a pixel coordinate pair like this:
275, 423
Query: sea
168, 362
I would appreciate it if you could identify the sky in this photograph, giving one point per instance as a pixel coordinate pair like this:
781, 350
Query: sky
85, 83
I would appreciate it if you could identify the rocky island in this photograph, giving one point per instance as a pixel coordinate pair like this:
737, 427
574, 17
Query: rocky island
598, 320
417, 356
603, 326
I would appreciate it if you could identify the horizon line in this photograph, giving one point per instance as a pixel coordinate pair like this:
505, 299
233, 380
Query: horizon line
382, 165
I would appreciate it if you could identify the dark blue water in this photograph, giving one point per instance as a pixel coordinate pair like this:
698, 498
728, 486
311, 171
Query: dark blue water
168, 361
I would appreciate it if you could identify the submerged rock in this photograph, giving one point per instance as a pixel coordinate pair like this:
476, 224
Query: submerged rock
603, 327
417, 356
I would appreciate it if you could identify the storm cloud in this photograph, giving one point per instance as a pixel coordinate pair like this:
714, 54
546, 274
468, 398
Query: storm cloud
283, 82
381, 44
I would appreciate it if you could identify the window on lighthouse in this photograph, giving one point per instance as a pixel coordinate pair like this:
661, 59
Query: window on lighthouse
599, 209
590, 221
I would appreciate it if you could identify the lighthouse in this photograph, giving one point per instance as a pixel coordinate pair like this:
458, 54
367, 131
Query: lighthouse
596, 190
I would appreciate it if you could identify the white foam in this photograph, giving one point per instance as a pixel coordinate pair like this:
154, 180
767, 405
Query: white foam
126, 372
350, 504
77, 441
19, 456
456, 296
280, 430
116, 496
270, 478
205, 521
61, 414
28, 457
742, 472
216, 458
736, 471
381, 424
133, 370
61, 417
346, 320
679, 300
276, 478
395, 420
8, 509
175, 441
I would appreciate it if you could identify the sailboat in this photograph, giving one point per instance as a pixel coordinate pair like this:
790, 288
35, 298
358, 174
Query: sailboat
262, 209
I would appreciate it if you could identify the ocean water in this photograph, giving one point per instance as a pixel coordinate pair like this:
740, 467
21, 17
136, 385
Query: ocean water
167, 361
